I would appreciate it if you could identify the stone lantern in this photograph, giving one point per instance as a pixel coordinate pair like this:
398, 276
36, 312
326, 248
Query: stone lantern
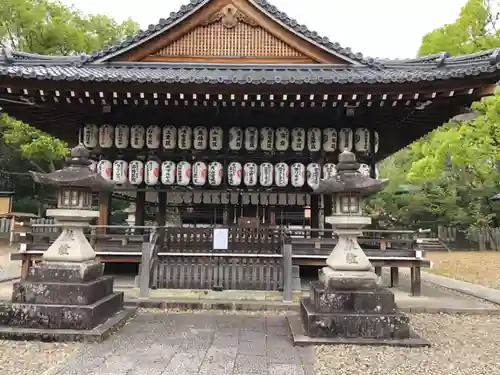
66, 296
347, 305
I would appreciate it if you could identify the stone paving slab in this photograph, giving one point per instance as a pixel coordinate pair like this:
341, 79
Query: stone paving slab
194, 344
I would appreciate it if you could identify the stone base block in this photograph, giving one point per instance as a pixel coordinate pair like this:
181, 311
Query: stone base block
300, 337
57, 293
97, 334
44, 316
352, 325
348, 280
375, 301
66, 272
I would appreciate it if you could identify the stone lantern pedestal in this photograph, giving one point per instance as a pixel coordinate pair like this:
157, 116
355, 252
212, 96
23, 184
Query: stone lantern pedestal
347, 305
66, 296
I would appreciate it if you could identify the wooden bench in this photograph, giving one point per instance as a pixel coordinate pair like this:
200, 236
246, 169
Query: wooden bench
401, 253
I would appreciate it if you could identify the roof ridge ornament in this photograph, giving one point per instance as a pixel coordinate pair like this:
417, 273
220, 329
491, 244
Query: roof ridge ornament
229, 15
441, 60
495, 56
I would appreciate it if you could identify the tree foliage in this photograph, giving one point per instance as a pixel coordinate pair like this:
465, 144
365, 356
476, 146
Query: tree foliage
456, 167
45, 27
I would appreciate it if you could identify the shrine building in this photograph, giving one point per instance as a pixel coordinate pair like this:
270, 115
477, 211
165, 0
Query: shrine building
228, 112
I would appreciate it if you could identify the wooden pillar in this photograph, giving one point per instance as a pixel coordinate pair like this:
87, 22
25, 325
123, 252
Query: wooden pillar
315, 214
328, 209
104, 210
140, 208
162, 215
272, 215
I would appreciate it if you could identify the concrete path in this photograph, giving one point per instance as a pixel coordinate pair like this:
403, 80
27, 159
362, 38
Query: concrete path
189, 344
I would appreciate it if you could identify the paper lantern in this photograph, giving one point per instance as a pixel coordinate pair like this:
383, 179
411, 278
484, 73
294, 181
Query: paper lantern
314, 139
282, 139
153, 137
364, 169
199, 173
329, 139
137, 136
298, 174
251, 139
298, 139
169, 137
313, 174
120, 171
200, 138
216, 138
90, 135
122, 136
215, 173
362, 140
183, 173
329, 170
266, 174
152, 172
267, 139
235, 138
345, 139
136, 172
104, 168
281, 174
168, 172
250, 174
185, 138
234, 172
106, 136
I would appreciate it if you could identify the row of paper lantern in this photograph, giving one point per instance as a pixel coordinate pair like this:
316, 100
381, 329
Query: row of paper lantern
251, 139
200, 173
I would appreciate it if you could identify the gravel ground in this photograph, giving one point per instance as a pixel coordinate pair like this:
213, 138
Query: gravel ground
461, 345
31, 357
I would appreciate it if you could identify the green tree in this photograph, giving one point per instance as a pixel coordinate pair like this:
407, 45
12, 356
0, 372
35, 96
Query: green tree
46, 27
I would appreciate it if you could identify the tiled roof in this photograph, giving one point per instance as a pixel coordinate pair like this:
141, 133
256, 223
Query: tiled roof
245, 74
264, 5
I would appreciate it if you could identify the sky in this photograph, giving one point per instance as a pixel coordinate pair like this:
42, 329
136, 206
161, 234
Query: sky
376, 28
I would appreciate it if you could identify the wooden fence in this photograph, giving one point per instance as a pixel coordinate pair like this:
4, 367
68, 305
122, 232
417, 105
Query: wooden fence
6, 222
473, 239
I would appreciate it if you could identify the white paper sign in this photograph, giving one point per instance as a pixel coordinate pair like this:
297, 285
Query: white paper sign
221, 239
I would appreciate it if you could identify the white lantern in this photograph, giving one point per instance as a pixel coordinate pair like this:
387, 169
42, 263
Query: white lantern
330, 139
122, 136
185, 138
267, 139
364, 169
136, 172
235, 138
282, 139
120, 171
169, 137
106, 136
93, 165
329, 170
313, 174
153, 137
104, 169
234, 171
183, 173
314, 139
281, 174
298, 174
376, 141
216, 139
137, 136
362, 140
168, 174
152, 172
90, 135
200, 138
266, 174
345, 139
250, 174
298, 139
199, 173
251, 139
215, 173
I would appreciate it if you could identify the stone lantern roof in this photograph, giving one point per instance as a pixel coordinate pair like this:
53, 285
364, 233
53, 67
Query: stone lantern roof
349, 179
75, 174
